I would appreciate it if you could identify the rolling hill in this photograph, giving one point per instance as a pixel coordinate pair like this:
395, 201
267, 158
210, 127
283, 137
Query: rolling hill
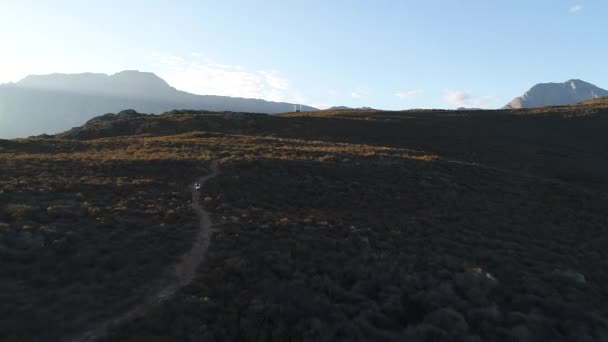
359, 225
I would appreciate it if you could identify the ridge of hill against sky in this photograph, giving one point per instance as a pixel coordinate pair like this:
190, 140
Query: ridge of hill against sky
385, 54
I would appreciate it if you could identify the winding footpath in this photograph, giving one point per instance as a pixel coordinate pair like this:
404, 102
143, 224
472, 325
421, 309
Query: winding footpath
183, 272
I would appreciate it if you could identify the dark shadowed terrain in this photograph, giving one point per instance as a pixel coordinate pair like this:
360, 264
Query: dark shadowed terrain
332, 226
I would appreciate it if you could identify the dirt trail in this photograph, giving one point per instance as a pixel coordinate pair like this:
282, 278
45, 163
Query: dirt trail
183, 272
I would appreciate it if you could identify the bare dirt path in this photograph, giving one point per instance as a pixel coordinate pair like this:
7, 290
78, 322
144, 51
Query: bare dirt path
183, 272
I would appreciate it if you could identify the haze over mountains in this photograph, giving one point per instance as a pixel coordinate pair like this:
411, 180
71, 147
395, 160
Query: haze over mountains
348, 108
56, 102
557, 94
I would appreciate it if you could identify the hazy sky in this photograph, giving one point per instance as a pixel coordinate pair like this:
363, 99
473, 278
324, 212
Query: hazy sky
385, 54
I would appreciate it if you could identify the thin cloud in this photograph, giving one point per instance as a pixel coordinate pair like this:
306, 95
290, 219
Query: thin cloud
408, 93
321, 105
359, 93
171, 60
464, 98
458, 98
576, 8
209, 78
14, 67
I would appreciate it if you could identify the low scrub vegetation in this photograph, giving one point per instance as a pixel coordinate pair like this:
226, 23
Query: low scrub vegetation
349, 226
390, 250
80, 239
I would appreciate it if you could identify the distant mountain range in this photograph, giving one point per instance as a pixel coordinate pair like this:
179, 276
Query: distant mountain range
557, 94
348, 108
468, 108
56, 102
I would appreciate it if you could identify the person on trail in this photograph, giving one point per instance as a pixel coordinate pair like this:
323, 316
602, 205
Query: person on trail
197, 186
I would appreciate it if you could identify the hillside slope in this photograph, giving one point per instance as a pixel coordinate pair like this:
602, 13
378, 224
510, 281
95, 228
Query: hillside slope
331, 226
565, 143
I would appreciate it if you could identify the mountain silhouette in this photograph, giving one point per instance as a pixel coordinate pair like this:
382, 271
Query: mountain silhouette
557, 94
56, 102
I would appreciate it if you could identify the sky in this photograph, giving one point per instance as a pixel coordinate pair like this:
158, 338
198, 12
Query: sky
387, 54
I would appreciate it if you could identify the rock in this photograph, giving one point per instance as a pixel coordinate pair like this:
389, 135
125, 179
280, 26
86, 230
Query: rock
127, 112
4, 227
448, 319
557, 94
570, 275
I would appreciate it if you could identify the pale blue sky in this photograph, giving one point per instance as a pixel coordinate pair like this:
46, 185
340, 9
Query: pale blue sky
384, 54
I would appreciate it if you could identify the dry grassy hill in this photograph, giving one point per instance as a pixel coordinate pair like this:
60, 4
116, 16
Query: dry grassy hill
344, 225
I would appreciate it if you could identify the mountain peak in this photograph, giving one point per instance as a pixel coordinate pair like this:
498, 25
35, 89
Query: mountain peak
56, 102
576, 83
129, 82
147, 83
139, 76
557, 94
133, 72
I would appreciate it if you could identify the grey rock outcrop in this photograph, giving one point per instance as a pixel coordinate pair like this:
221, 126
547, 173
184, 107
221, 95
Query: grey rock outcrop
557, 94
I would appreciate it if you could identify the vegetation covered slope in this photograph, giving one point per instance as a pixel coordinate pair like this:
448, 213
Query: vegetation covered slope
566, 143
365, 225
